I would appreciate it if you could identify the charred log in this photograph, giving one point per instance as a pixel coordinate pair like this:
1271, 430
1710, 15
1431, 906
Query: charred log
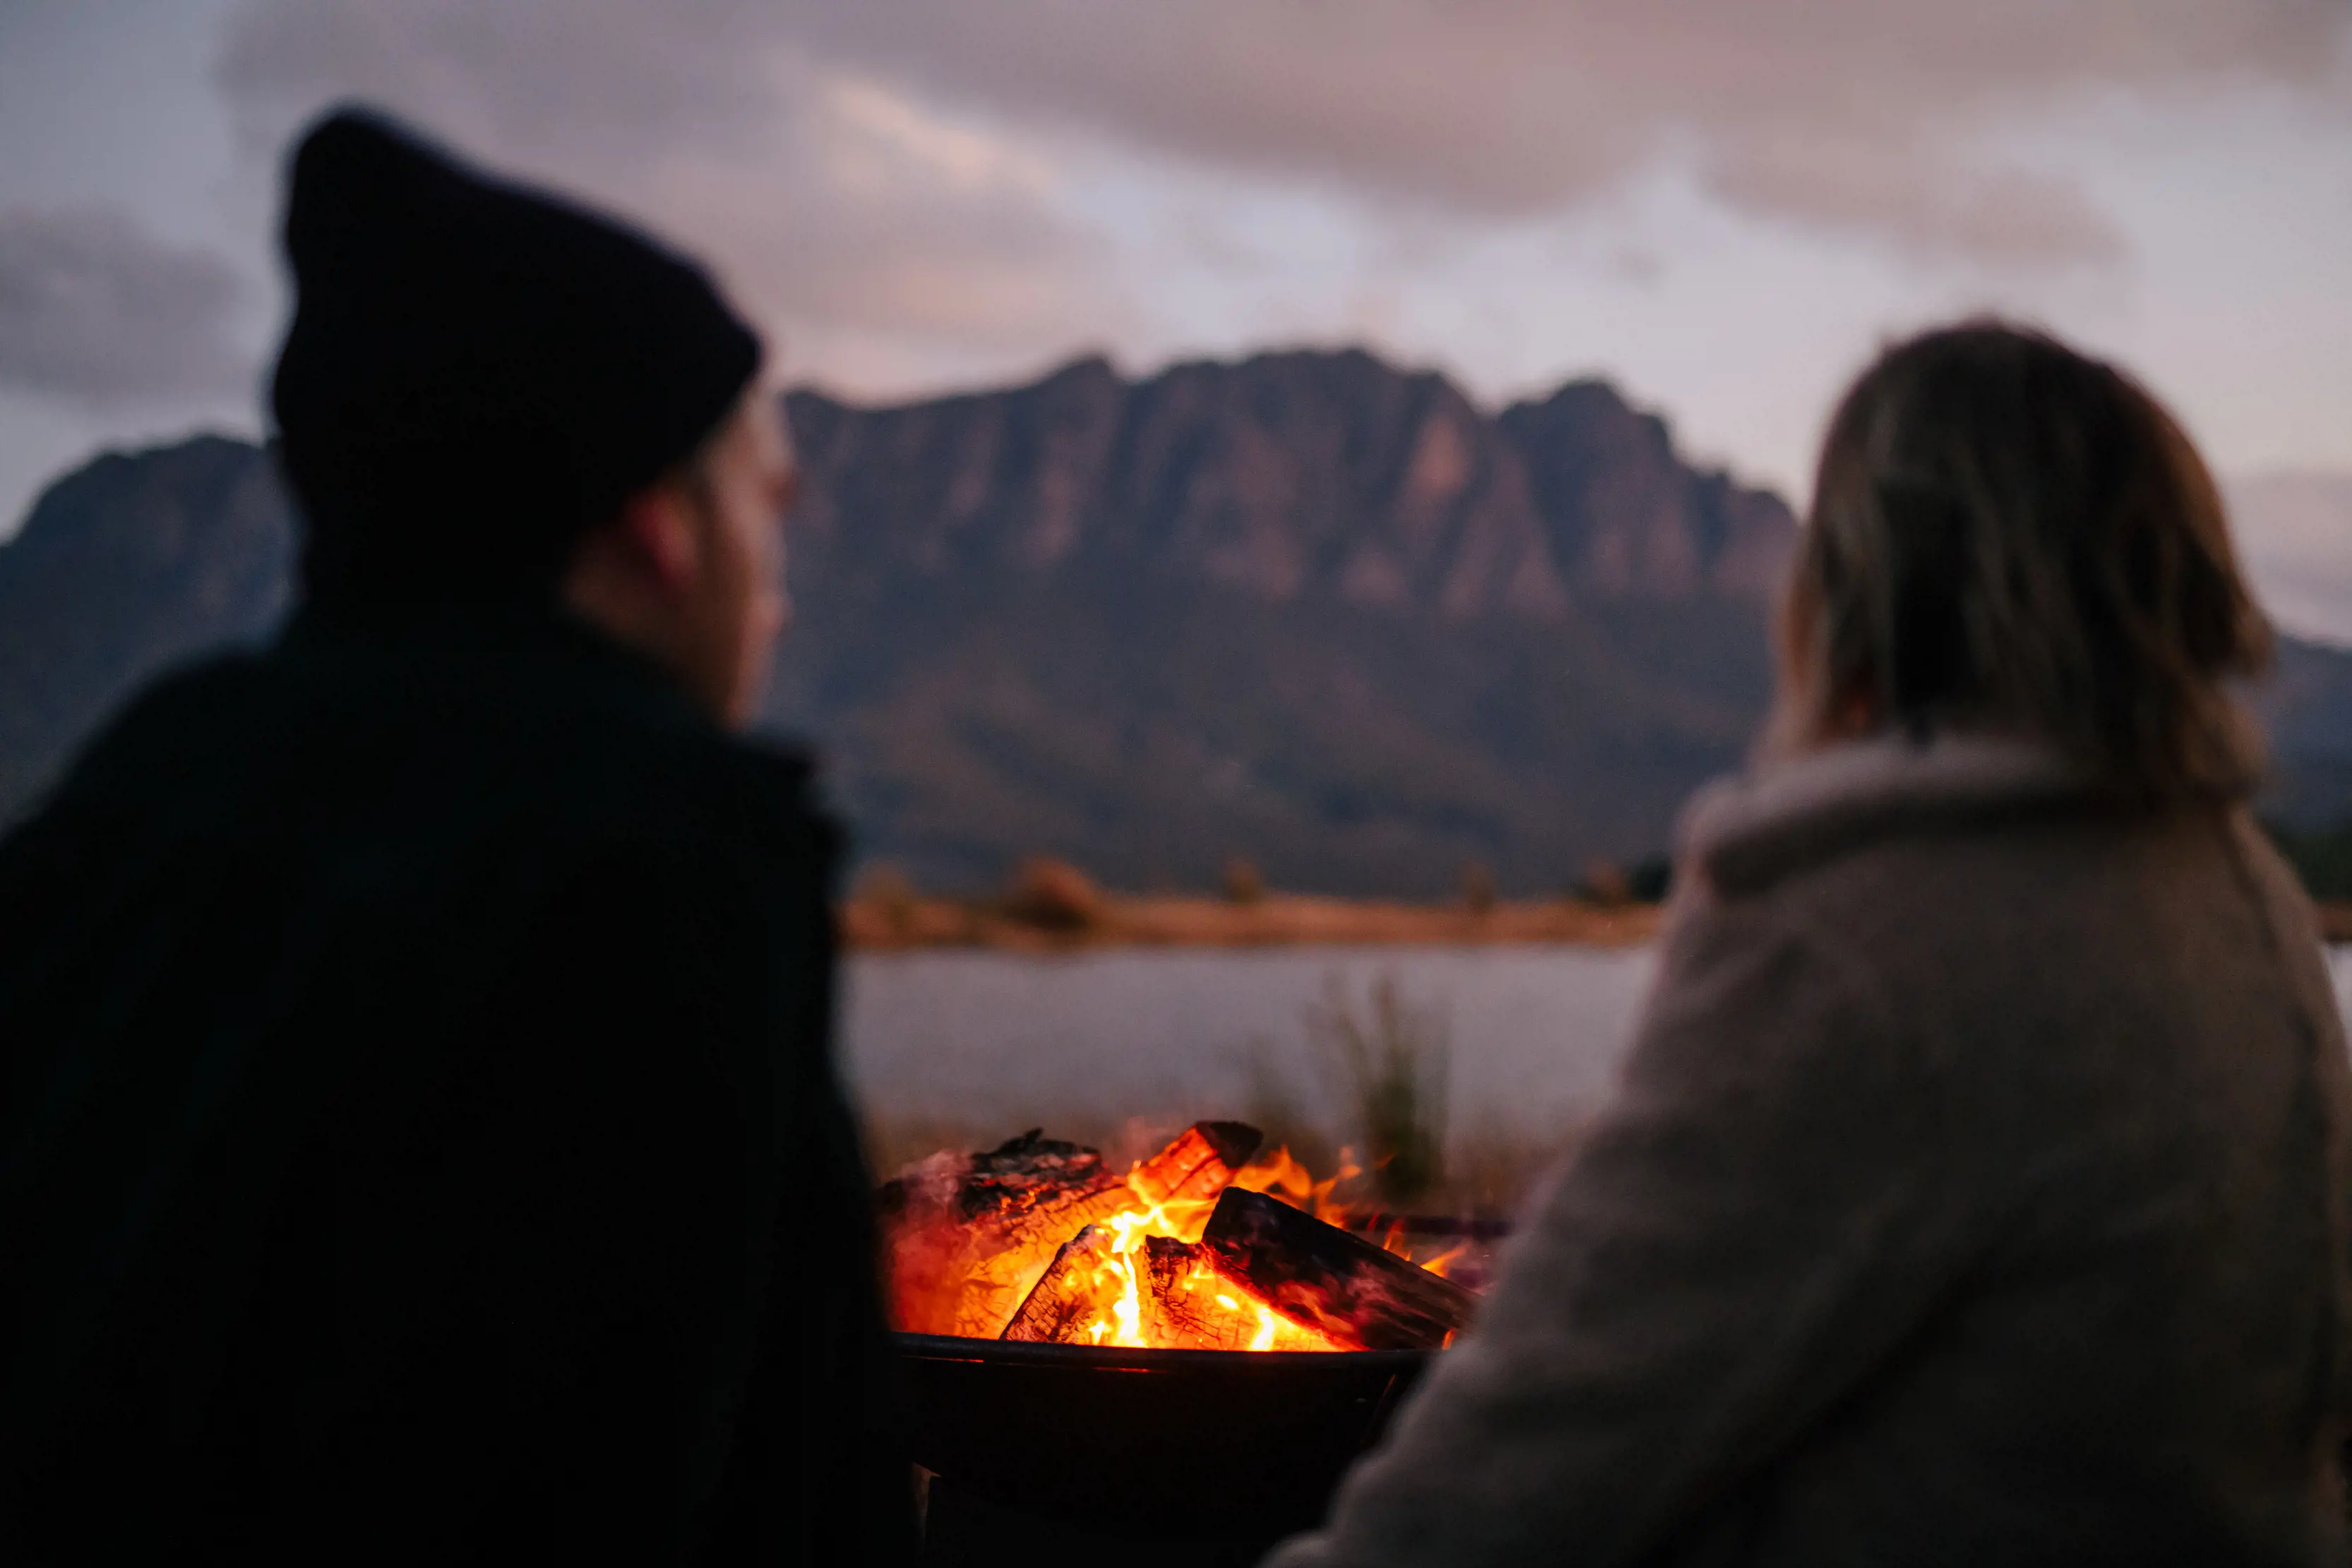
1070, 1296
1019, 1175
965, 1236
1318, 1276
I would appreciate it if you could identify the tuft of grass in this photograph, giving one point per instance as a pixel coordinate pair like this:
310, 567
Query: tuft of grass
1392, 1058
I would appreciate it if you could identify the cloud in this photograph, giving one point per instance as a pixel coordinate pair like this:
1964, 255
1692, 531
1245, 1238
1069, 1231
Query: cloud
865, 227
96, 309
911, 190
1873, 116
1863, 116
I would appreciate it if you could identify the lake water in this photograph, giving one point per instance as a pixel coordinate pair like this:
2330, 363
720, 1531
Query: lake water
1089, 1041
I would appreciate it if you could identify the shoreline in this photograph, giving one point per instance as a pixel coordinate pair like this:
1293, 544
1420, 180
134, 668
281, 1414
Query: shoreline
1277, 920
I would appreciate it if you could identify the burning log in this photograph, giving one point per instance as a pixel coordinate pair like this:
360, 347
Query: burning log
1191, 1303
966, 1239
965, 1236
1200, 1164
1167, 1292
1321, 1278
1189, 1306
1075, 1293
1030, 1173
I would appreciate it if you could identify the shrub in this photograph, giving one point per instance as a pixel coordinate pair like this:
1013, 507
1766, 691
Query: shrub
1054, 895
1604, 882
890, 892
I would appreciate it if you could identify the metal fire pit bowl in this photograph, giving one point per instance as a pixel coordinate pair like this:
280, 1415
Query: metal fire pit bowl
1161, 1444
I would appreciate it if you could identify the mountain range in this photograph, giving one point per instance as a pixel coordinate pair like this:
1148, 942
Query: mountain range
1306, 608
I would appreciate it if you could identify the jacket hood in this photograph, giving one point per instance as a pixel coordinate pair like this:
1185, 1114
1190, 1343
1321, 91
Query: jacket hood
1740, 833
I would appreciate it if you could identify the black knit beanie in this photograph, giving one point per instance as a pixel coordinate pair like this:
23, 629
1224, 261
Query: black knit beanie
477, 372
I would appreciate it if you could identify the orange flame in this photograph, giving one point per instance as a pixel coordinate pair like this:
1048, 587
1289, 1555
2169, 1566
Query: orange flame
1284, 1177
1442, 1263
1120, 1277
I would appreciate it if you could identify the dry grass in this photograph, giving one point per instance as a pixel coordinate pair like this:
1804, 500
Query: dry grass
893, 920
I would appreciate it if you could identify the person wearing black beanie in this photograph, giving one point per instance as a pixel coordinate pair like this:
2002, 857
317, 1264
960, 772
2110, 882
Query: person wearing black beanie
476, 373
419, 1135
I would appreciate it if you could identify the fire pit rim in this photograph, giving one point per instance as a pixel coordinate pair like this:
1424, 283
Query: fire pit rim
1060, 1432
1133, 1358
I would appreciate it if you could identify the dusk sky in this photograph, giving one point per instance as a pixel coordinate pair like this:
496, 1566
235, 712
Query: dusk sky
1722, 205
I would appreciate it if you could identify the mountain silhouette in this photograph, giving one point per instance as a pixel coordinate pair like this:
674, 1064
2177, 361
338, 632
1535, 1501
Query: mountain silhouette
1306, 608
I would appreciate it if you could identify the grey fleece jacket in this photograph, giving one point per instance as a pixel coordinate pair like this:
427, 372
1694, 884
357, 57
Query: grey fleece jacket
1975, 1193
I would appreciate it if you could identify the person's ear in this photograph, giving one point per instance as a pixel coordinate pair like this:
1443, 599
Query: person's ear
658, 524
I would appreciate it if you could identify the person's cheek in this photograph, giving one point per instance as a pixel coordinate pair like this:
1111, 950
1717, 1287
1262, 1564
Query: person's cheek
766, 604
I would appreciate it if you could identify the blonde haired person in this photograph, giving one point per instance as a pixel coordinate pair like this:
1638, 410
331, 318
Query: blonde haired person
1976, 1188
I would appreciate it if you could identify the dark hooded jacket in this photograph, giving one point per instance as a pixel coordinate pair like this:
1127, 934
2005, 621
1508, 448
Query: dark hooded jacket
420, 1139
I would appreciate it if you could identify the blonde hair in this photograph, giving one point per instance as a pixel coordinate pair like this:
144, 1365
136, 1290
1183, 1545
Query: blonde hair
2009, 535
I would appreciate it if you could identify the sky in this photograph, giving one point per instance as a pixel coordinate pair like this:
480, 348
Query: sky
1723, 206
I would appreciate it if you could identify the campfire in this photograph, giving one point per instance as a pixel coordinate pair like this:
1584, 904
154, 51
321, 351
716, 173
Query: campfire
1207, 1245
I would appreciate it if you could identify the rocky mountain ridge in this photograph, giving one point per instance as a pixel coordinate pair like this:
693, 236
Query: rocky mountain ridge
1305, 608
1290, 476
